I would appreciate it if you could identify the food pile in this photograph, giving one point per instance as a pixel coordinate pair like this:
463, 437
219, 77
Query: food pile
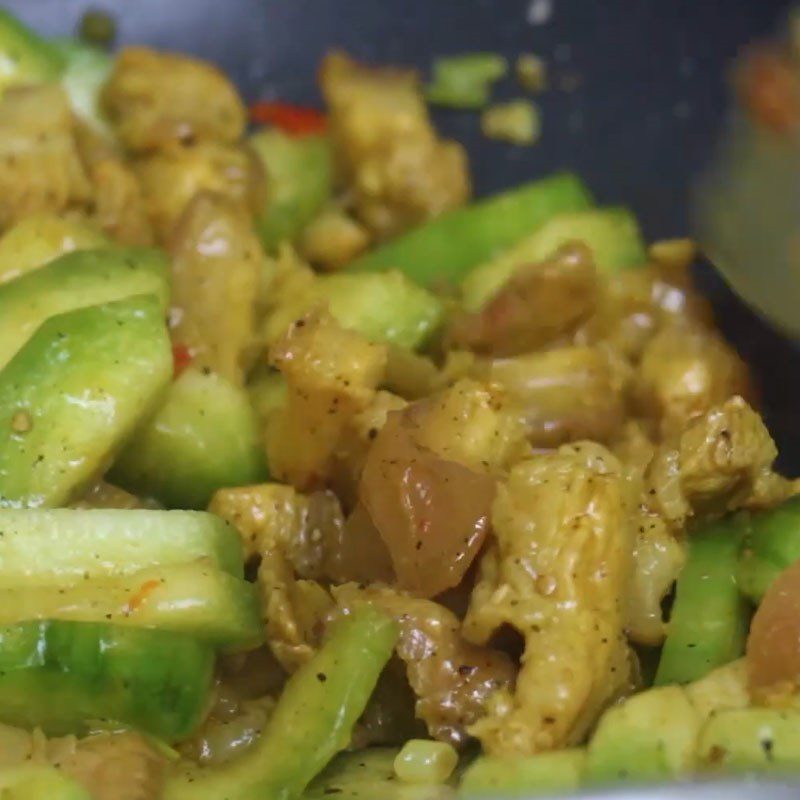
320, 478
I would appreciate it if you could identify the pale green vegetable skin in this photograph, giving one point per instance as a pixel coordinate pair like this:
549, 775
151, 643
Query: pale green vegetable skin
384, 307
192, 598
312, 722
651, 736
709, 619
77, 280
25, 57
74, 394
465, 81
300, 180
39, 782
770, 545
39, 239
445, 249
86, 70
204, 437
368, 774
760, 739
97, 542
543, 774
612, 234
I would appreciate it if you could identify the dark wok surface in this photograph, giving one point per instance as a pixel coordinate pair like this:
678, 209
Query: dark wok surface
639, 126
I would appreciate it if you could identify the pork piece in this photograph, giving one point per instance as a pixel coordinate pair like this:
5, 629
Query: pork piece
157, 99
451, 678
399, 171
216, 273
557, 572
540, 304
40, 165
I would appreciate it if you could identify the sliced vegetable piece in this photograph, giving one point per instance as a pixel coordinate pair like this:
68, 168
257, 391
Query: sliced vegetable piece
370, 774
651, 736
465, 81
36, 782
723, 689
447, 248
518, 122
74, 394
194, 598
77, 280
425, 761
205, 437
542, 774
385, 307
289, 118
612, 234
25, 57
41, 238
300, 176
86, 70
64, 545
63, 677
312, 721
771, 544
708, 624
760, 739
268, 392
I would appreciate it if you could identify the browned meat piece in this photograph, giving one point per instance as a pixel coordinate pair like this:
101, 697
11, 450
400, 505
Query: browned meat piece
216, 274
563, 394
685, 370
332, 374
557, 572
159, 99
399, 171
117, 767
721, 462
636, 303
540, 304
40, 167
300, 539
172, 178
117, 205
121, 766
451, 678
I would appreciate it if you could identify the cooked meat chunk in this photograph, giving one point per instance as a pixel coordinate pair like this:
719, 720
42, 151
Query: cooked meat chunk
685, 370
159, 99
332, 374
721, 462
557, 571
118, 205
40, 166
216, 268
563, 394
173, 177
451, 678
399, 171
541, 303
120, 766
300, 539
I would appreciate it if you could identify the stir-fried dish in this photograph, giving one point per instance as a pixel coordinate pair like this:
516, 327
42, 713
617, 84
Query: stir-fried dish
320, 478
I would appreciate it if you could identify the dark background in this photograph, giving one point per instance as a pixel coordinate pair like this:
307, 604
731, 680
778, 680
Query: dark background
648, 95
